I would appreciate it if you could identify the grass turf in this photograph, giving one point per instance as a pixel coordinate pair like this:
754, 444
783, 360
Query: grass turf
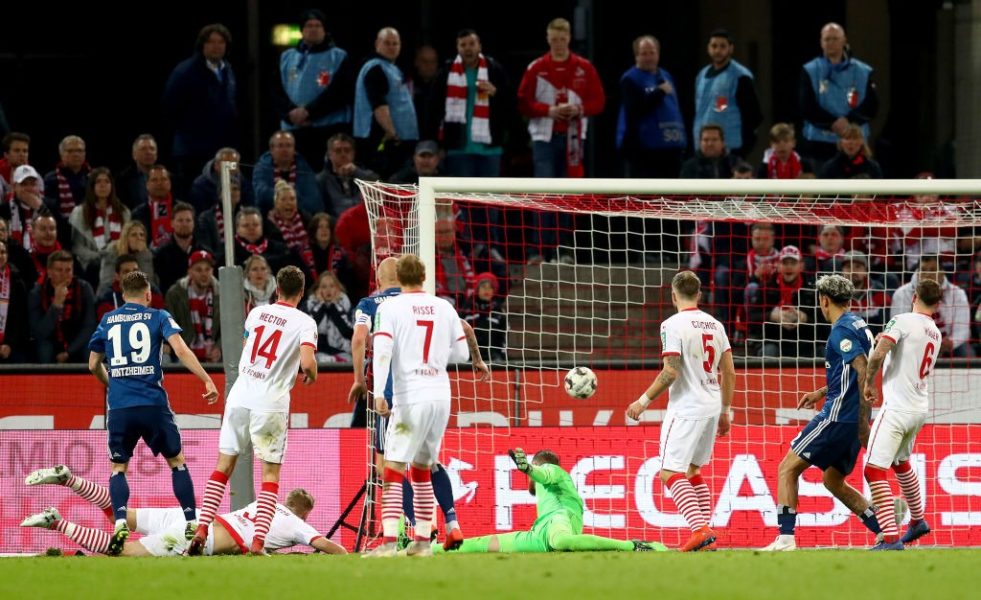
837, 574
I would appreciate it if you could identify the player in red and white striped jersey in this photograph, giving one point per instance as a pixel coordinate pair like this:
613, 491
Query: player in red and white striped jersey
914, 342
416, 337
695, 348
162, 528
279, 341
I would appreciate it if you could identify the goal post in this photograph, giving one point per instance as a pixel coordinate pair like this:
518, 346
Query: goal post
582, 273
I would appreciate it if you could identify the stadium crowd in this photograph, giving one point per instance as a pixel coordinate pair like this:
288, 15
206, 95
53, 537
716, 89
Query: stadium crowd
69, 236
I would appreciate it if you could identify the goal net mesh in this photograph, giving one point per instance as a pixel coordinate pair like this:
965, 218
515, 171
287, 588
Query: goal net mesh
553, 281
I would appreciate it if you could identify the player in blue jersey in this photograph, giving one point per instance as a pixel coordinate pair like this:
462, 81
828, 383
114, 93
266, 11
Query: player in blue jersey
388, 287
129, 340
832, 439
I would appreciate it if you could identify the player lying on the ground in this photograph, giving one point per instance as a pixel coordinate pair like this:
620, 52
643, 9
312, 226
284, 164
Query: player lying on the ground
164, 529
558, 527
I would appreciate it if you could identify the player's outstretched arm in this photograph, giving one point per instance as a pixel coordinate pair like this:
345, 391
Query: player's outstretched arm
728, 370
667, 376
97, 368
308, 364
882, 349
187, 358
359, 342
326, 546
478, 362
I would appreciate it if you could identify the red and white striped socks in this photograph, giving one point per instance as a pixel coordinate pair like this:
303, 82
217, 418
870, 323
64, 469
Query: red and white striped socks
214, 493
885, 513
93, 540
91, 492
686, 499
423, 502
909, 483
392, 505
265, 509
704, 496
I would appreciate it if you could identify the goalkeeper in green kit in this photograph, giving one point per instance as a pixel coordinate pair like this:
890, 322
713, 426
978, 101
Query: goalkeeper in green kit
558, 527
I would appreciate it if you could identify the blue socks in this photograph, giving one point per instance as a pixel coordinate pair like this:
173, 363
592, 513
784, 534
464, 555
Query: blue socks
786, 519
119, 494
184, 491
869, 520
442, 489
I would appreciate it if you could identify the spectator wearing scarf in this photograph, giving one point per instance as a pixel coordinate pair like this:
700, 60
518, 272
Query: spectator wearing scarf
158, 212
66, 185
330, 308
62, 313
97, 223
193, 302
558, 93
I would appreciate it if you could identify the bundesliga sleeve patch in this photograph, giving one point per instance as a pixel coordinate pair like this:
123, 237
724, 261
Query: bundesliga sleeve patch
845, 345
174, 324
890, 324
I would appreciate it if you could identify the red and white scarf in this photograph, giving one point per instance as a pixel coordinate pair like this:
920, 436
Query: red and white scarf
252, 248
66, 200
456, 100
161, 227
295, 236
290, 176
202, 312
782, 170
220, 223
20, 224
5, 285
822, 255
103, 234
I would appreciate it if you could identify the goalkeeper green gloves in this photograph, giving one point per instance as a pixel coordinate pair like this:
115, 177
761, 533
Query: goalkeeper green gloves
520, 460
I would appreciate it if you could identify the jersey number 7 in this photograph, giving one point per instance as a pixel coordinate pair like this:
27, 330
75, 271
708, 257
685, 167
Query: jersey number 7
266, 348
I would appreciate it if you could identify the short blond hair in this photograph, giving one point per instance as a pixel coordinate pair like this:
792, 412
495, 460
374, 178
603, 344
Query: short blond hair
410, 270
686, 284
782, 132
559, 24
299, 500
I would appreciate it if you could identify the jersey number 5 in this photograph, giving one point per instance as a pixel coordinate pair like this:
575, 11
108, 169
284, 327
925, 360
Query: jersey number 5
709, 351
266, 348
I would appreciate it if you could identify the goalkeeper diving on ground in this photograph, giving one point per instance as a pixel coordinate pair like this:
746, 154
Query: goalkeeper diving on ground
558, 527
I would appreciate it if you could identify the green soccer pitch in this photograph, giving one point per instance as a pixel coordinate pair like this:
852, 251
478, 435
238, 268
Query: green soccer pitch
837, 574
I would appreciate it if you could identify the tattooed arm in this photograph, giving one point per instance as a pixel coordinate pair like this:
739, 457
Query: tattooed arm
668, 375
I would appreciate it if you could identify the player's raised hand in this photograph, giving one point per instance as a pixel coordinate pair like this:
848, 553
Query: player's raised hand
809, 399
210, 392
520, 459
381, 406
358, 389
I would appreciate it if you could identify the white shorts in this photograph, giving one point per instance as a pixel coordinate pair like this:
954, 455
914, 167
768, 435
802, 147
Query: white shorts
265, 431
415, 432
891, 437
687, 441
163, 531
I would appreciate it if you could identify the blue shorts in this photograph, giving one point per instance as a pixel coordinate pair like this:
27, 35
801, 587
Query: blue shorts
826, 444
155, 424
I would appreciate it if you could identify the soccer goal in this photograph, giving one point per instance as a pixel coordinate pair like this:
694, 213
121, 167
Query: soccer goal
580, 271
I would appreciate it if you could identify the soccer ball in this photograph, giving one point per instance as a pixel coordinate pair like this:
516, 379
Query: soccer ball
580, 382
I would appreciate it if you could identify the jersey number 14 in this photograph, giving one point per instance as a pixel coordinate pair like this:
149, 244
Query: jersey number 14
266, 348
